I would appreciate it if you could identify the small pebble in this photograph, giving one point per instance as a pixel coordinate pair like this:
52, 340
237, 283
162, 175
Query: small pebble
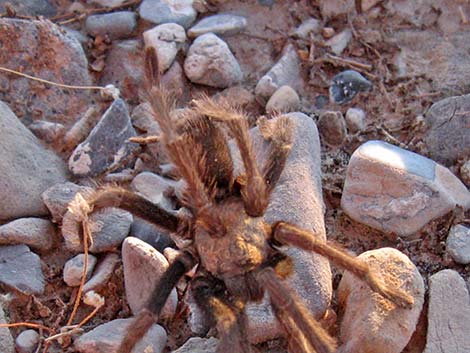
458, 244
168, 11
355, 120
284, 100
73, 269
465, 173
27, 341
116, 25
332, 128
328, 32
102, 273
340, 41
47, 131
224, 24
345, 85
308, 27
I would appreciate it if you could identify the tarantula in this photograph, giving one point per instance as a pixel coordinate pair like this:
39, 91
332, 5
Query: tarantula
238, 253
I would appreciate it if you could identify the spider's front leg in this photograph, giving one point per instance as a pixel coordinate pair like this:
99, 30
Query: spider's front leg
285, 233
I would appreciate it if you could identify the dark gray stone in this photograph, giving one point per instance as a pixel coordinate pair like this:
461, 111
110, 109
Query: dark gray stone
30, 7
116, 25
345, 85
168, 11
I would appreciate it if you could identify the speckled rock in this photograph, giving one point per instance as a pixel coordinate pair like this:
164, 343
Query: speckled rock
458, 244
346, 85
370, 322
27, 341
6, 340
199, 345
210, 62
115, 25
448, 314
106, 338
355, 120
284, 100
167, 39
102, 273
31, 7
223, 24
143, 267
24, 176
107, 145
73, 269
332, 127
397, 191
340, 41
37, 233
168, 11
47, 131
21, 269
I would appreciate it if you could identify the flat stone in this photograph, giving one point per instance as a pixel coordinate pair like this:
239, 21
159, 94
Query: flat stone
107, 337
37, 233
210, 62
21, 269
73, 269
6, 339
199, 345
286, 71
284, 100
143, 267
167, 39
27, 341
355, 120
448, 314
398, 191
168, 11
47, 131
448, 136
26, 168
223, 24
458, 244
115, 25
340, 41
57, 57
102, 273
107, 145
370, 322
31, 7
332, 127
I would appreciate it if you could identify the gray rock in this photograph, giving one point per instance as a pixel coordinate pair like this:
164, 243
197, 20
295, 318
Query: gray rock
307, 27
210, 62
284, 100
333, 8
106, 338
419, 13
332, 128
465, 173
107, 145
37, 233
108, 3
27, 341
199, 345
355, 120
458, 244
223, 24
168, 11
26, 169
58, 57
31, 7
286, 71
6, 340
73, 269
21, 269
448, 135
167, 39
47, 131
102, 273
143, 267
116, 25
345, 85
448, 314
108, 226
370, 322
397, 191
154, 187
340, 41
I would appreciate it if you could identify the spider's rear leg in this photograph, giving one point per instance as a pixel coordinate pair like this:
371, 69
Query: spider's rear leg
288, 234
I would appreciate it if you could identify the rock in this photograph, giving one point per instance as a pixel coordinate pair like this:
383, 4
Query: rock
345, 85
6, 340
176, 82
210, 62
24, 176
168, 11
58, 197
47, 131
149, 233
366, 5
37, 233
371, 323
108, 3
419, 13
107, 337
332, 128
73, 269
143, 267
458, 244
107, 145
465, 173
397, 191
355, 120
448, 314
308, 27
108, 226
199, 345
222, 24
334, 8
57, 57
27, 341
340, 41
31, 7
167, 39
284, 100
102, 273
115, 25
448, 136
21, 269
153, 187
285, 72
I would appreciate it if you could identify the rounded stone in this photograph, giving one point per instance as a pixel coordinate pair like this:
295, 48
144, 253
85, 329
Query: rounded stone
355, 120
27, 341
117, 25
458, 244
284, 100
73, 269
332, 128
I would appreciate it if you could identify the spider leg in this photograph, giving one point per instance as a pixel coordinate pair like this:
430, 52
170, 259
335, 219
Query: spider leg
306, 332
147, 317
286, 233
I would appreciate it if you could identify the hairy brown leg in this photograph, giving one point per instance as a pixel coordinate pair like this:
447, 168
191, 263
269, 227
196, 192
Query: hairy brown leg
288, 234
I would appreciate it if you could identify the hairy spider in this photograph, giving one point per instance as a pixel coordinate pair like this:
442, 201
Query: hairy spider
224, 229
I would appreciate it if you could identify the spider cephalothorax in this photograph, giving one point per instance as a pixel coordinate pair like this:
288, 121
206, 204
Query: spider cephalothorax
223, 226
